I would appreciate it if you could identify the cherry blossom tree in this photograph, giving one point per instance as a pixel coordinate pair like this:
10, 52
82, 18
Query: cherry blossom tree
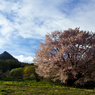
63, 53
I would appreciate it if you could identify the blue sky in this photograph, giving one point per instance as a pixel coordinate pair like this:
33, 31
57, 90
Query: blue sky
24, 23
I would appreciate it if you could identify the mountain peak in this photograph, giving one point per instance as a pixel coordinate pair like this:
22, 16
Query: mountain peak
5, 52
6, 56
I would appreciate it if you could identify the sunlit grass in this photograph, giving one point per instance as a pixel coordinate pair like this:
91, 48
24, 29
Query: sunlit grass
15, 87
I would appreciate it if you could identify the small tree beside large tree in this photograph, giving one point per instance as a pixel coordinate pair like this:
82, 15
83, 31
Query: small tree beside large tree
66, 55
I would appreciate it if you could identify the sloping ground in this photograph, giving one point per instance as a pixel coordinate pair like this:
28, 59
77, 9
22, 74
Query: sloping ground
6, 56
16, 87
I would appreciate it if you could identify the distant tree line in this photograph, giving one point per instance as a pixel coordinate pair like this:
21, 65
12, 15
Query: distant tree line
6, 65
15, 69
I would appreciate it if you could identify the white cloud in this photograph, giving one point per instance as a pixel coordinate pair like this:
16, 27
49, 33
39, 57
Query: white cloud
34, 18
22, 58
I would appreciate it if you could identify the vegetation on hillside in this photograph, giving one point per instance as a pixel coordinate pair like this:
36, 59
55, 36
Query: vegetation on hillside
7, 65
17, 87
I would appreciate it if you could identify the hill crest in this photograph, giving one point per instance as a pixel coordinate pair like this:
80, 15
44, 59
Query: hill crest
6, 56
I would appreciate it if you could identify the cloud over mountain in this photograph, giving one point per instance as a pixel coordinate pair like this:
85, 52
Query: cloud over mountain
24, 23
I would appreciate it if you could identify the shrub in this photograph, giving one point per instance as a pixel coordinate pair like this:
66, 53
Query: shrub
29, 73
16, 73
32, 77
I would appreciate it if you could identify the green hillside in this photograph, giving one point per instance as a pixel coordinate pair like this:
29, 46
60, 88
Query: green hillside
17, 87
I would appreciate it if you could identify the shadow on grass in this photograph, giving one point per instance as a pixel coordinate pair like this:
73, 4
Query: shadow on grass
11, 79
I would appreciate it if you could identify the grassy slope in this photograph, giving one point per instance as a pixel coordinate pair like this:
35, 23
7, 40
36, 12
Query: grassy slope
14, 87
